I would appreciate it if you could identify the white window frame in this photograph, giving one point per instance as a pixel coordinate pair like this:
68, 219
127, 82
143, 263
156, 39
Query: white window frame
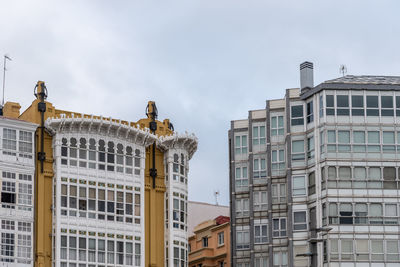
241, 144
277, 125
299, 190
259, 134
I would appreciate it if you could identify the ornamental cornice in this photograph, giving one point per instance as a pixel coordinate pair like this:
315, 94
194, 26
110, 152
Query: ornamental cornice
100, 126
179, 141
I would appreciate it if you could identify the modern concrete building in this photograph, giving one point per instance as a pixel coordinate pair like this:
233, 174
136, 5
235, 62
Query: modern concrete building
108, 192
210, 244
17, 165
315, 176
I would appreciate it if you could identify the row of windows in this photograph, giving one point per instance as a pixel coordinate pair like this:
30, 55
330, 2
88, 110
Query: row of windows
363, 250
362, 141
15, 248
97, 156
13, 139
360, 105
74, 249
13, 225
101, 204
280, 259
16, 194
179, 169
361, 213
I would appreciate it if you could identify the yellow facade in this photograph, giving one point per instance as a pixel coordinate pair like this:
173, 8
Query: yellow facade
154, 194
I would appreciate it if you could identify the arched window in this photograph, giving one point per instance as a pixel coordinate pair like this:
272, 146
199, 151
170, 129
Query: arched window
73, 152
102, 154
64, 151
129, 160
92, 153
120, 158
137, 162
110, 156
82, 153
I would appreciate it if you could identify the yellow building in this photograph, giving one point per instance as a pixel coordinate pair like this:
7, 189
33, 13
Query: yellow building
107, 191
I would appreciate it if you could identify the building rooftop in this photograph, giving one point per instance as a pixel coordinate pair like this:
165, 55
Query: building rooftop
366, 79
199, 212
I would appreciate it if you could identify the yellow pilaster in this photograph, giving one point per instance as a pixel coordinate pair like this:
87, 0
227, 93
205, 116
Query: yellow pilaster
43, 182
155, 198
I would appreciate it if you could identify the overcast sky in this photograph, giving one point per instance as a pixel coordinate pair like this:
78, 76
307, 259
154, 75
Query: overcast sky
204, 62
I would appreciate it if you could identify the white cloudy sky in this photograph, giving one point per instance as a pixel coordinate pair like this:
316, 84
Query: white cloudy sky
204, 62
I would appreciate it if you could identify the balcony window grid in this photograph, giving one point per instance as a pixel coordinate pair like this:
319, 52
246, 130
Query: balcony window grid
299, 220
299, 185
260, 232
259, 168
322, 142
279, 227
121, 206
278, 193
94, 250
278, 161
8, 195
261, 262
9, 141
277, 126
260, 201
310, 112
101, 155
330, 105
297, 112
258, 135
241, 144
241, 178
242, 207
242, 237
363, 213
298, 153
362, 177
25, 144
364, 250
280, 259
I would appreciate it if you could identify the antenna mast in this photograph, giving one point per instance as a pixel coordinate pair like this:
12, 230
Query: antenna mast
216, 195
343, 70
4, 75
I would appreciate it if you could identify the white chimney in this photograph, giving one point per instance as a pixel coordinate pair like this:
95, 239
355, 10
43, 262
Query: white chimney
306, 75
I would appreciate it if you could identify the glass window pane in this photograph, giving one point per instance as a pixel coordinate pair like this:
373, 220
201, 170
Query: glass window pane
331, 136
298, 146
344, 137
373, 137
359, 137
342, 101
372, 101
388, 137
357, 101
386, 101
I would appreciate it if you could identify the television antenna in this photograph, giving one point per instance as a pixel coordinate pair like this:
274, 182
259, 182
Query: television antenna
343, 70
6, 57
216, 195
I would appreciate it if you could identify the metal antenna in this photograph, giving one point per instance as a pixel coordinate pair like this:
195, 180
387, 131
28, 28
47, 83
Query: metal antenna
343, 70
4, 75
216, 195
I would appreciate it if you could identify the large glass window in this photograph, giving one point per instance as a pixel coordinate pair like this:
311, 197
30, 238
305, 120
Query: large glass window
258, 135
242, 237
241, 177
300, 220
311, 183
330, 105
279, 227
372, 106
278, 161
242, 207
278, 193
260, 201
357, 103
277, 127
342, 105
387, 106
241, 144
259, 168
298, 150
299, 186
297, 115
260, 232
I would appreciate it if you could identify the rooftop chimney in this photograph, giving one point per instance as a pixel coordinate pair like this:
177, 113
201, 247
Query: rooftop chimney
306, 75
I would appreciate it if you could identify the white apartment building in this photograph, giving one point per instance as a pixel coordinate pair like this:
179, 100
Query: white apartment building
17, 172
314, 177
